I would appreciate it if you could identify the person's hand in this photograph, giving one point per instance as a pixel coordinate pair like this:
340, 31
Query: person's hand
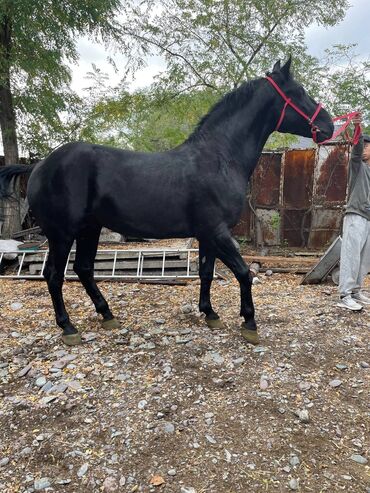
358, 119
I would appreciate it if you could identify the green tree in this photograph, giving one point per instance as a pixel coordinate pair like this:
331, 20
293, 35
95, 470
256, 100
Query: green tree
37, 38
219, 43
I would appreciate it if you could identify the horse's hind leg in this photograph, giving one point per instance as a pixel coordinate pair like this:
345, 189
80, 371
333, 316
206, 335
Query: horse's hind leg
86, 247
206, 267
54, 274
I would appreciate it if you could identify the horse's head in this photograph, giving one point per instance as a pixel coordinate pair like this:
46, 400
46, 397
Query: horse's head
296, 111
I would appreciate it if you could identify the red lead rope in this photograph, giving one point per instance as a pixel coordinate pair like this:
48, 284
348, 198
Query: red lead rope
348, 117
314, 129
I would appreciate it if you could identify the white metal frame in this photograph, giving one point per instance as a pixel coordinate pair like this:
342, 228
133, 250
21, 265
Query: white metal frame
139, 270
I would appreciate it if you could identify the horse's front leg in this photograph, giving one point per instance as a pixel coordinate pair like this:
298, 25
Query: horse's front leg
206, 269
227, 252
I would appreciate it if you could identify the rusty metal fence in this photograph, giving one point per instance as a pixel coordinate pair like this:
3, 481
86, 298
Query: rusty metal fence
296, 197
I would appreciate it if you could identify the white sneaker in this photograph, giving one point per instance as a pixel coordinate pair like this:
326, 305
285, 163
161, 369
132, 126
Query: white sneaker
361, 298
349, 303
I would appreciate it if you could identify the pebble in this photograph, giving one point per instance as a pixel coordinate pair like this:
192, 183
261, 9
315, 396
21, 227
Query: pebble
187, 489
304, 386
165, 427
360, 459
186, 309
40, 382
24, 370
4, 461
74, 385
294, 460
268, 273
83, 470
263, 383
172, 472
142, 404
110, 484
363, 364
294, 484
210, 439
26, 451
41, 484
160, 321
214, 357
335, 383
260, 349
303, 416
238, 362
341, 366
16, 306
48, 385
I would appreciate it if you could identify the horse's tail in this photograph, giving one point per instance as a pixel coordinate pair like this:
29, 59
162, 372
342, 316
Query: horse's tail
7, 173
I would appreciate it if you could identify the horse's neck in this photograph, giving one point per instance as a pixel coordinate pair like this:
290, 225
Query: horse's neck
242, 135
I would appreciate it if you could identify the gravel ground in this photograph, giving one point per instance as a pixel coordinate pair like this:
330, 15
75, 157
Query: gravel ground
166, 404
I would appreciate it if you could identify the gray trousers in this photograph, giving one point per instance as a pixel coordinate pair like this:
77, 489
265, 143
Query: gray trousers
355, 254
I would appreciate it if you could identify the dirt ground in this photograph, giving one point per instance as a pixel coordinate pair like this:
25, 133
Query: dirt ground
166, 404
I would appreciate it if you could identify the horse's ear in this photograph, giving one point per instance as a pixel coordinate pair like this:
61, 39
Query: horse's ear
276, 67
285, 69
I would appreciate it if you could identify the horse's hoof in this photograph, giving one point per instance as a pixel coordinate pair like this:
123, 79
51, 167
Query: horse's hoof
111, 324
215, 323
249, 335
72, 339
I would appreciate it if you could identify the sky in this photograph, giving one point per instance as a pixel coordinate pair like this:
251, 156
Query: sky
355, 28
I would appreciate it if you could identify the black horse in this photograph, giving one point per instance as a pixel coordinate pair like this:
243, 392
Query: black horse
194, 190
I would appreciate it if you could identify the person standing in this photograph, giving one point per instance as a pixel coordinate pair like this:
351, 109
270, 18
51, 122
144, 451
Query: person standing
355, 250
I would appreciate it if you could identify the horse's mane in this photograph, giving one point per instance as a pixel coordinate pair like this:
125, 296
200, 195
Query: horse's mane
227, 105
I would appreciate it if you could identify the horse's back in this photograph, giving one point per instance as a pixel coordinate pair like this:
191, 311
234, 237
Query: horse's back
120, 189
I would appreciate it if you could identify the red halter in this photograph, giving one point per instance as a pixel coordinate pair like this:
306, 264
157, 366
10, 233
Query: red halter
288, 101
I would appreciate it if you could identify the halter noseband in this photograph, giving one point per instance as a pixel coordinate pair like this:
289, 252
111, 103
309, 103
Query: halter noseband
288, 102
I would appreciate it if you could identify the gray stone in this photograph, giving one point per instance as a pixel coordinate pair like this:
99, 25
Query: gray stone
187, 489
214, 357
4, 462
3, 372
42, 484
210, 439
264, 383
142, 404
186, 309
26, 451
268, 273
16, 306
335, 383
172, 472
304, 386
238, 362
303, 416
40, 381
166, 427
48, 385
110, 484
363, 364
341, 366
294, 460
83, 470
160, 321
360, 459
294, 484
260, 349
24, 370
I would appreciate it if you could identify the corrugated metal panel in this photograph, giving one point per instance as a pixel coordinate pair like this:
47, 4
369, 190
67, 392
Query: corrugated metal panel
266, 181
306, 188
298, 178
329, 194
